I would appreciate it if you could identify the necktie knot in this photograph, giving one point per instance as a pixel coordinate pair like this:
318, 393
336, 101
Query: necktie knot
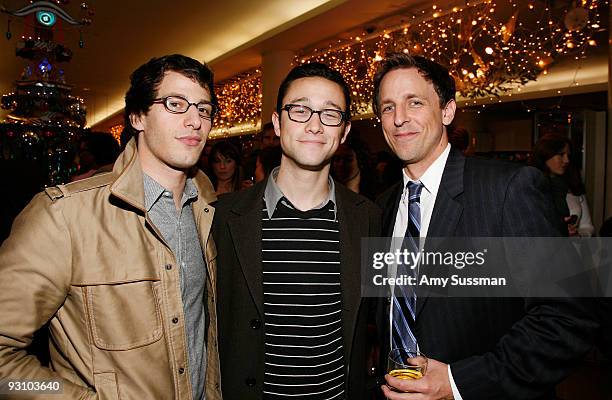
414, 191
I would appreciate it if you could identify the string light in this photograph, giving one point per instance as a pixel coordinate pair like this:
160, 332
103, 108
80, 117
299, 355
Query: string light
116, 130
489, 50
240, 103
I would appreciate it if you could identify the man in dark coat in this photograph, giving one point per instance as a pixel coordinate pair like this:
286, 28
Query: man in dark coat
478, 348
292, 320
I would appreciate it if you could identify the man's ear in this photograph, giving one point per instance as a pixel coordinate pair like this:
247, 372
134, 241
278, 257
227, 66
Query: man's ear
276, 123
136, 122
448, 112
347, 128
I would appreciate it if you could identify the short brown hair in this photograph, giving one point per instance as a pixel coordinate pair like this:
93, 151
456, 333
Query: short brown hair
438, 75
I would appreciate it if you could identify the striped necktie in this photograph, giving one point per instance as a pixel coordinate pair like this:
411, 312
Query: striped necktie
404, 301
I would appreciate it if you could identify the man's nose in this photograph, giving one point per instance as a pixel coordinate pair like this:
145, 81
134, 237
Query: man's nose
192, 117
314, 125
401, 116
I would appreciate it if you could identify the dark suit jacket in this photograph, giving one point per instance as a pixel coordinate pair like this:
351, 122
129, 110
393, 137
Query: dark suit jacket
237, 231
497, 348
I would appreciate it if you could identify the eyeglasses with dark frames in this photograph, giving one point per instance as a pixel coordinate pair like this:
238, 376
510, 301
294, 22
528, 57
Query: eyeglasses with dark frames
180, 105
301, 113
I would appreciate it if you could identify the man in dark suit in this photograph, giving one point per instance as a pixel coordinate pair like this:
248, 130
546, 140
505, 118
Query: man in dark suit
478, 348
292, 322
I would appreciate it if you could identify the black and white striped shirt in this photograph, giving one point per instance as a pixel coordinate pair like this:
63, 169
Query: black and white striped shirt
304, 355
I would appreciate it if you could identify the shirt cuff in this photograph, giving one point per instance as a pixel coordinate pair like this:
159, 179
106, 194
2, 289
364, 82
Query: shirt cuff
456, 394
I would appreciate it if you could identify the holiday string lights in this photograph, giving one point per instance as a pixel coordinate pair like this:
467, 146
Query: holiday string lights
240, 100
489, 50
490, 47
116, 130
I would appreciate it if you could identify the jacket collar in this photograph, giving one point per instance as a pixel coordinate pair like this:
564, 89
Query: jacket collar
273, 194
246, 230
129, 185
447, 209
447, 212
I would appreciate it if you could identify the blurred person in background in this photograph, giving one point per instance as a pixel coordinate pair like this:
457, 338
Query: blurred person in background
459, 138
267, 137
204, 162
267, 159
388, 170
224, 162
97, 149
350, 167
552, 154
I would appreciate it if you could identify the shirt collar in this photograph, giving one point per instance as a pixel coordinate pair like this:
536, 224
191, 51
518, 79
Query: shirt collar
433, 175
153, 191
273, 194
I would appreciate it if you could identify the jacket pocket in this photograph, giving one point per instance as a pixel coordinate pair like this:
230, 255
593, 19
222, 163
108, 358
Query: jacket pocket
106, 385
123, 316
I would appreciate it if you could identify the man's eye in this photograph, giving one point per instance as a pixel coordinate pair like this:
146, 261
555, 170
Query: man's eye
387, 108
416, 103
330, 114
299, 110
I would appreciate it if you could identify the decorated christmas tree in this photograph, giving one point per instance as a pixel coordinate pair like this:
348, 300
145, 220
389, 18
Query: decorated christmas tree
45, 119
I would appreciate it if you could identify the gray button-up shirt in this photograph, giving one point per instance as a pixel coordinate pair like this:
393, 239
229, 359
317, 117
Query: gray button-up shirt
179, 230
273, 194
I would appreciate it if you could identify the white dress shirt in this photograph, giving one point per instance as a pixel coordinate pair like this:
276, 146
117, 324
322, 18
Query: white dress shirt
431, 183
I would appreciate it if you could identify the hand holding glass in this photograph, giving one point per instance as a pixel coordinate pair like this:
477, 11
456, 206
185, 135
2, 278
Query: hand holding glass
406, 364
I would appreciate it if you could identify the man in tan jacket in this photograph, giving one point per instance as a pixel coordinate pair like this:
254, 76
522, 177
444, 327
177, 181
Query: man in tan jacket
122, 264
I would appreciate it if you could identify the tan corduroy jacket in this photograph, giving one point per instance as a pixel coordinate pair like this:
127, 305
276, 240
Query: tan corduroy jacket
86, 257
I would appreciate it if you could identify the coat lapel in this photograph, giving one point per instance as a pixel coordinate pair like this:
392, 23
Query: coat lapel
390, 206
447, 209
352, 229
245, 228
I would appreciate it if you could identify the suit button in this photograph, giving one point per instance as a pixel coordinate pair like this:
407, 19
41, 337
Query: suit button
250, 382
175, 320
255, 324
206, 209
168, 267
181, 370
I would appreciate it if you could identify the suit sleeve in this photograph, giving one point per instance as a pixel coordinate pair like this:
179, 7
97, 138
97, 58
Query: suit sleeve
540, 349
35, 265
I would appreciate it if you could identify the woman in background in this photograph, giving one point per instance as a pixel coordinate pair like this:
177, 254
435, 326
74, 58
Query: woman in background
267, 159
350, 167
224, 160
552, 155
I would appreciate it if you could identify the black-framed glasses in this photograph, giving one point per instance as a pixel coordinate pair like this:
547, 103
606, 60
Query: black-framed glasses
180, 105
328, 116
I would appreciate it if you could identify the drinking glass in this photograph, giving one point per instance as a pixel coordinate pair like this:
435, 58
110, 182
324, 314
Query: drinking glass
406, 364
